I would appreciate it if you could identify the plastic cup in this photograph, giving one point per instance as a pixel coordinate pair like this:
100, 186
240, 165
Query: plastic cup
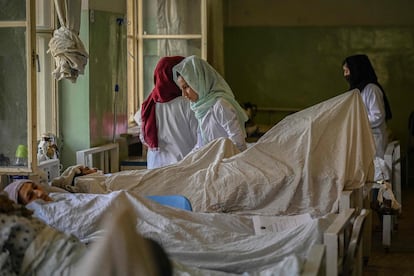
21, 151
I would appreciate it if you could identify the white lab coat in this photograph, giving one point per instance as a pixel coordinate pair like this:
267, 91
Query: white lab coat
177, 132
221, 121
374, 102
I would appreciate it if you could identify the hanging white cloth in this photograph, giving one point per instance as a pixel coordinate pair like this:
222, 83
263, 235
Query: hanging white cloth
65, 46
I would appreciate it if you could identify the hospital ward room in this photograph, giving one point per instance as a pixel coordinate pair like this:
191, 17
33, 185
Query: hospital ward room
206, 137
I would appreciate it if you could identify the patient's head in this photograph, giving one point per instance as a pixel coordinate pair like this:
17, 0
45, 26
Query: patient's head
86, 170
24, 191
9, 207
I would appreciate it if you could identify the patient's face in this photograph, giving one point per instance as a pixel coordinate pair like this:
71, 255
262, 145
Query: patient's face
87, 170
187, 91
31, 191
347, 73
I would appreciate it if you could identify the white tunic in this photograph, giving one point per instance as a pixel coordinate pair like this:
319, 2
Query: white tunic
177, 132
374, 102
221, 121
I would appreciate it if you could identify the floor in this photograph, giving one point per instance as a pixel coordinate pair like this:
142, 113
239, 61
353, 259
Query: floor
399, 259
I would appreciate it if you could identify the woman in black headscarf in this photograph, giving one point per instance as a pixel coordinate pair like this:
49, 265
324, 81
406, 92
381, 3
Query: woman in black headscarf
360, 74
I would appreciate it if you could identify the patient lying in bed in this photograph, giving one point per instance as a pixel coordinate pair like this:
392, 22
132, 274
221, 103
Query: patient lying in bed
195, 242
301, 165
31, 247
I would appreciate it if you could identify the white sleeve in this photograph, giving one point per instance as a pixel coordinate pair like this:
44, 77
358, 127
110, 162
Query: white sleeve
138, 120
226, 116
374, 103
192, 121
199, 141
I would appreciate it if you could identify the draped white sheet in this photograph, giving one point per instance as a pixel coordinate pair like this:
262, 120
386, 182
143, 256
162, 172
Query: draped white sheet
65, 46
299, 166
197, 243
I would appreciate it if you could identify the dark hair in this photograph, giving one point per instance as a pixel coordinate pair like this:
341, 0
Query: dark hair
361, 74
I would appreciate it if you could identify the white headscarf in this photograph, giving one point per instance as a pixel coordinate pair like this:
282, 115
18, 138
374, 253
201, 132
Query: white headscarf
13, 188
209, 85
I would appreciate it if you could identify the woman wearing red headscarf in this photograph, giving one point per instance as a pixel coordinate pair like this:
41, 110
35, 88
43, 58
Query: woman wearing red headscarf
167, 125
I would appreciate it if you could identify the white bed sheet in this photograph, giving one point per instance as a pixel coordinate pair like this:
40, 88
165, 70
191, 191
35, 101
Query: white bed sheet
216, 243
301, 165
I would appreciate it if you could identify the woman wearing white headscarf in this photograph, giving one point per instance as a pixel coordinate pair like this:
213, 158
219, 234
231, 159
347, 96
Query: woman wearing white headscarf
217, 111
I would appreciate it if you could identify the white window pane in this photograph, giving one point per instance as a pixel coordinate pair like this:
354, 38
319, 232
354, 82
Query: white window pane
46, 99
171, 17
44, 14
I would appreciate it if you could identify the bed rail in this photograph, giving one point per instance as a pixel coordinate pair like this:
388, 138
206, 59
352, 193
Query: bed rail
392, 158
353, 264
335, 239
344, 241
359, 199
105, 157
354, 198
314, 264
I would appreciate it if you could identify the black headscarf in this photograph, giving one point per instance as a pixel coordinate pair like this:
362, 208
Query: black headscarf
361, 74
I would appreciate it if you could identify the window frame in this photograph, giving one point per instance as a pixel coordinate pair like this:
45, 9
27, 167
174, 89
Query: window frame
47, 95
29, 23
135, 47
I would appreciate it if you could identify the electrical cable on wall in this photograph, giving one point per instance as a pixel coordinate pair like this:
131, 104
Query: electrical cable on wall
120, 22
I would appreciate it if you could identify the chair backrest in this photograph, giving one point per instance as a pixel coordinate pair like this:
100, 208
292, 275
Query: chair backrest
177, 201
353, 257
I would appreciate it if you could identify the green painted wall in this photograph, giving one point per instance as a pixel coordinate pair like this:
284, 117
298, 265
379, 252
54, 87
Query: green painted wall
295, 67
87, 106
108, 67
74, 107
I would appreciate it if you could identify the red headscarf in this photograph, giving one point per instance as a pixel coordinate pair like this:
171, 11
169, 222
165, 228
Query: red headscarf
165, 90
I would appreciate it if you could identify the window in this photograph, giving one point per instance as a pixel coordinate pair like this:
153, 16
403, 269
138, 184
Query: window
17, 86
28, 104
156, 29
47, 105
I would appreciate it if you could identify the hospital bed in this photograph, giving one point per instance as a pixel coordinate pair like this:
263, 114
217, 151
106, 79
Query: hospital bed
333, 254
361, 197
392, 160
335, 249
212, 186
104, 157
345, 244
302, 151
